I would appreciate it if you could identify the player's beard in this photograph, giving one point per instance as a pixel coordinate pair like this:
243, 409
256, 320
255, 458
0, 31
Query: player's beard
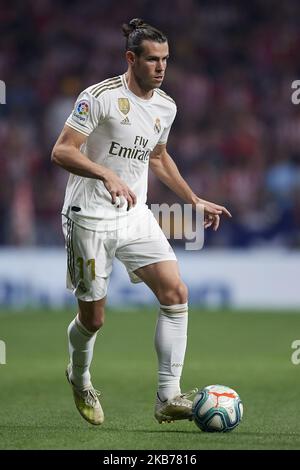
146, 84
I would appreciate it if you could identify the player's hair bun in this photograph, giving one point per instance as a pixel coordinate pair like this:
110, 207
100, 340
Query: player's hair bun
136, 23
132, 26
137, 31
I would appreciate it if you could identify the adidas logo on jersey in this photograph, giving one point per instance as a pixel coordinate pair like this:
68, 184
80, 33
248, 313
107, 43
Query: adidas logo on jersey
126, 121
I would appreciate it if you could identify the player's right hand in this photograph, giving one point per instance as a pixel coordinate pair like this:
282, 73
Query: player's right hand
117, 188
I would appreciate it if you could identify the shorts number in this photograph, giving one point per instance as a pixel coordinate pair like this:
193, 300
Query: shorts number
90, 263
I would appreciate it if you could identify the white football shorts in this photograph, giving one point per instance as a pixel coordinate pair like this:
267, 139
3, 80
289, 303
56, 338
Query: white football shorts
90, 254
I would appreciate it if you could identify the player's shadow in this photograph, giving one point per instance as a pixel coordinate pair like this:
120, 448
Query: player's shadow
163, 431
274, 434
192, 432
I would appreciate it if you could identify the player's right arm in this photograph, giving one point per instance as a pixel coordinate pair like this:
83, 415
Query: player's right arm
66, 153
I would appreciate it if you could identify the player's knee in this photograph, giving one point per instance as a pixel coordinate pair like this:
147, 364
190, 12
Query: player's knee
91, 315
175, 294
94, 324
92, 321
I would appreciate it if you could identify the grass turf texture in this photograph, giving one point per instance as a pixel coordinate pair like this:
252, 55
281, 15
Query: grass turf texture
250, 352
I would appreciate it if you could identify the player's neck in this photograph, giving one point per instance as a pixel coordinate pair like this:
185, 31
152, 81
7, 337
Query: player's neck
135, 87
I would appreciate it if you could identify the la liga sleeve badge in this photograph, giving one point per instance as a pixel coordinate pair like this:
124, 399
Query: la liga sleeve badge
81, 111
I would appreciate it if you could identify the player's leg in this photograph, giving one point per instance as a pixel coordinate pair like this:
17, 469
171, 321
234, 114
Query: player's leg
89, 267
164, 280
148, 257
82, 334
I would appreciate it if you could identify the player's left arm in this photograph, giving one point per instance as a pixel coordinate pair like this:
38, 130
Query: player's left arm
164, 167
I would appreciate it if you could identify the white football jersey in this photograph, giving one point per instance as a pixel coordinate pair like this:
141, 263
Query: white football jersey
122, 130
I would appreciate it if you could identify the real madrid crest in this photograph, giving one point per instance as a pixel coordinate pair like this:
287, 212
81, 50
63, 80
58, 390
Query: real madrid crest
124, 105
157, 126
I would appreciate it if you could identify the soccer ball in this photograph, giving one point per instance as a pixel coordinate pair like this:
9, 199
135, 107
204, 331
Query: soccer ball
217, 408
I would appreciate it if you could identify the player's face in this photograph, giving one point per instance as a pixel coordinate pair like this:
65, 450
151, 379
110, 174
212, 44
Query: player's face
149, 68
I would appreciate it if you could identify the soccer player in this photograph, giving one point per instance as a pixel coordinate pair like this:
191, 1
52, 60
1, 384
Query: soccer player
118, 128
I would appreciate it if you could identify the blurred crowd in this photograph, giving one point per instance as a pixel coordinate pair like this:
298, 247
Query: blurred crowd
236, 137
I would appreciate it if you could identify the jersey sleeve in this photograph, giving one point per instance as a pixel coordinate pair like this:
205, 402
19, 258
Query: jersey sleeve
86, 115
165, 133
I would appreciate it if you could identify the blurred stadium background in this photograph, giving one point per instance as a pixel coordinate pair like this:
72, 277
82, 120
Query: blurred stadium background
236, 140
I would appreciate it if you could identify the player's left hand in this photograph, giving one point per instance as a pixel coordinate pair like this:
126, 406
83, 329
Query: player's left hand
212, 213
211, 221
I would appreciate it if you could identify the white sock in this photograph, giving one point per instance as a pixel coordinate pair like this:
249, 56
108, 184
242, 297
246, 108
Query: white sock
81, 346
170, 345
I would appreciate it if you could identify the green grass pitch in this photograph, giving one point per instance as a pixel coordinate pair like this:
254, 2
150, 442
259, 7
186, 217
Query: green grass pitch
248, 351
